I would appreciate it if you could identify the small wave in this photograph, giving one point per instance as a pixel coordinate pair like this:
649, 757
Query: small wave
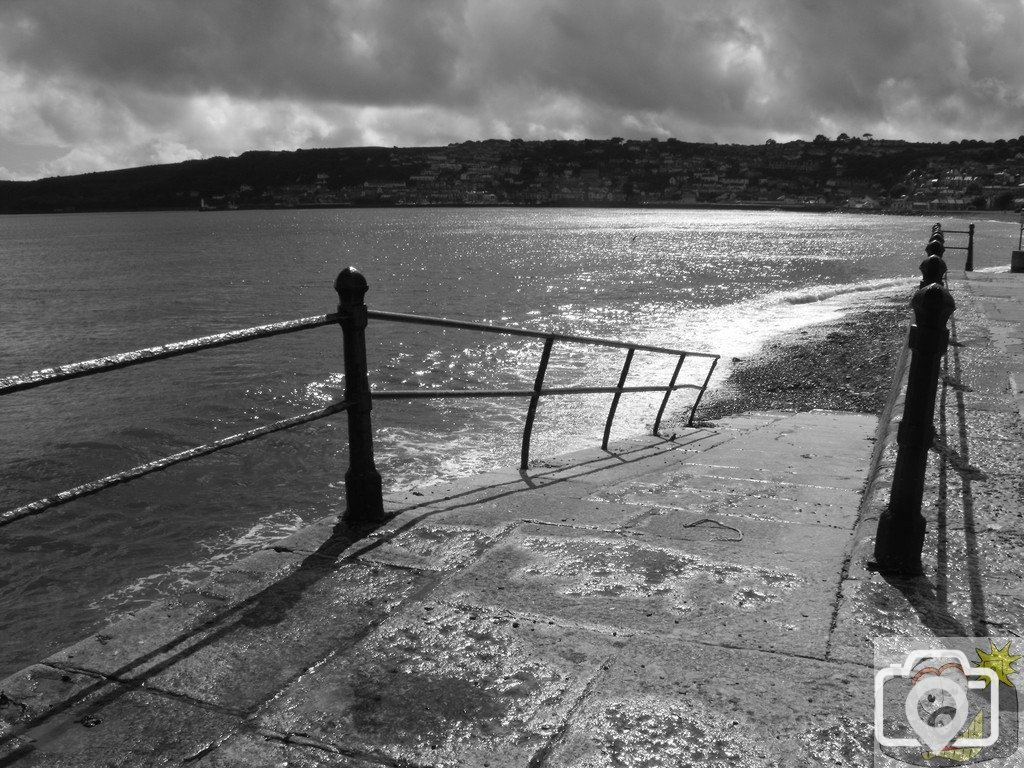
220, 551
823, 293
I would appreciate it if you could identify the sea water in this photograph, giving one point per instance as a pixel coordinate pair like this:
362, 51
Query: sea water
80, 286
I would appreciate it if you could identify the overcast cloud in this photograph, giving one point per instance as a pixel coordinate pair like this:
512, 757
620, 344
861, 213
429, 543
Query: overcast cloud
96, 84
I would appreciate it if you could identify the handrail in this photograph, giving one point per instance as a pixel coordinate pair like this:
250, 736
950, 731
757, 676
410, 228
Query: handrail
938, 233
9, 384
362, 482
429, 394
87, 489
399, 317
539, 390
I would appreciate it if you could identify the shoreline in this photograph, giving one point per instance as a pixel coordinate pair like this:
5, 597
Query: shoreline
841, 365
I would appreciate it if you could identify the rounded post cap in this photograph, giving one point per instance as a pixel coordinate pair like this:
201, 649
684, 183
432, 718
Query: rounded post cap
351, 286
935, 248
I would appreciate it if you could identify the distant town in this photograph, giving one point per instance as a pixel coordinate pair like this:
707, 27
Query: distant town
841, 173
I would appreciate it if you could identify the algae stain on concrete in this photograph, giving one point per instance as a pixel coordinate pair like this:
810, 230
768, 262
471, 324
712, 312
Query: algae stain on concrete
629, 569
448, 710
443, 680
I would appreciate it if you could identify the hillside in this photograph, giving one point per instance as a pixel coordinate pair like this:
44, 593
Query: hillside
860, 173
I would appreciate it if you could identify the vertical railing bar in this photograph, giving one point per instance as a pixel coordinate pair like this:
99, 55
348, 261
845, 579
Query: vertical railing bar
668, 394
703, 389
531, 412
615, 399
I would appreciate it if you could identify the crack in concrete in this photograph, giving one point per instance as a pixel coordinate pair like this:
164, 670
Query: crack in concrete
542, 754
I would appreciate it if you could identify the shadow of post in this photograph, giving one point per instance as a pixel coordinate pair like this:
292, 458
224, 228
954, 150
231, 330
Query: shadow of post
978, 616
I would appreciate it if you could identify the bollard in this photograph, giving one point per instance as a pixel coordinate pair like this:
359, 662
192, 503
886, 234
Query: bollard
901, 527
364, 502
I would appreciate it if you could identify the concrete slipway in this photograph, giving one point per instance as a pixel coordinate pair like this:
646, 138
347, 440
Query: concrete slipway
695, 600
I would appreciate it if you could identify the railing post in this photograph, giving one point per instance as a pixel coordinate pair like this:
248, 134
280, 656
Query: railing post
531, 411
901, 527
700, 394
615, 399
668, 394
363, 492
969, 266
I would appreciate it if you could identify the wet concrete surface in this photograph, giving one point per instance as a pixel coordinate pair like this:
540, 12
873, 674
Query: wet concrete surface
702, 600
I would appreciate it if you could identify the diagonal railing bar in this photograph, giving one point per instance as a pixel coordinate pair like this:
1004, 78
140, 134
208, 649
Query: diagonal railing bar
45, 376
615, 399
531, 411
87, 489
702, 389
668, 393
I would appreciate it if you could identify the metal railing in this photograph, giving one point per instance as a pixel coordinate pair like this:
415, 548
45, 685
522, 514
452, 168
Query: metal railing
937, 245
363, 487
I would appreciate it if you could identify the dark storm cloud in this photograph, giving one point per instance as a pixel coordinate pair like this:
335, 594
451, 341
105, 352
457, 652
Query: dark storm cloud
366, 52
121, 81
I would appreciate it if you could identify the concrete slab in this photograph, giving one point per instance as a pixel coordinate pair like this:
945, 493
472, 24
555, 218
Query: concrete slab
686, 440
669, 703
670, 454
880, 607
126, 646
120, 726
468, 490
638, 584
429, 546
807, 467
445, 684
574, 510
764, 499
235, 660
261, 748
38, 690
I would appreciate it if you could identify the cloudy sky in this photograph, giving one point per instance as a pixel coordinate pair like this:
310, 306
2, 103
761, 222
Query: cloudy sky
96, 84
